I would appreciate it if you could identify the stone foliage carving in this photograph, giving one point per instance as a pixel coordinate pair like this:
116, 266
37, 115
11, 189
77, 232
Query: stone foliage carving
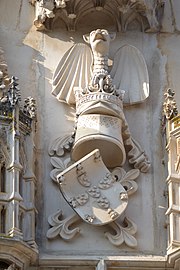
93, 180
61, 226
30, 107
124, 233
4, 147
3, 66
169, 106
45, 10
148, 14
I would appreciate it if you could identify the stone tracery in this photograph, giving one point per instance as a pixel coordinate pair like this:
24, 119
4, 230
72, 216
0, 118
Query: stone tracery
124, 13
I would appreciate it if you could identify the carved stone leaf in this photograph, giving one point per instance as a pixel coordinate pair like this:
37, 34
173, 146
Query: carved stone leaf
127, 179
57, 163
129, 231
123, 234
61, 227
131, 175
131, 227
67, 234
118, 173
59, 146
53, 232
129, 240
117, 239
130, 186
53, 219
54, 173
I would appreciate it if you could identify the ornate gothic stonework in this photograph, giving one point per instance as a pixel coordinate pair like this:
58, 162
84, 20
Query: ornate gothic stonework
96, 186
173, 179
17, 180
147, 14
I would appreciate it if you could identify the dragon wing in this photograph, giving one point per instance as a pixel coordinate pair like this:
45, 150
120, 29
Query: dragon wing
129, 73
73, 70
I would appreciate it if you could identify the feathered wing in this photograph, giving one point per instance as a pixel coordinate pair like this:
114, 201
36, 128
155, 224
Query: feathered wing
130, 73
73, 70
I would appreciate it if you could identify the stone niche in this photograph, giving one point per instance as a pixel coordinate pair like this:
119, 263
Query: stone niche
141, 224
137, 237
121, 15
67, 139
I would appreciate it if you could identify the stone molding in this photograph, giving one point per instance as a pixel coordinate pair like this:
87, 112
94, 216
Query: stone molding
113, 262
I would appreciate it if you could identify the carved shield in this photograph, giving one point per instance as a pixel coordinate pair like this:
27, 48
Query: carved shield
92, 191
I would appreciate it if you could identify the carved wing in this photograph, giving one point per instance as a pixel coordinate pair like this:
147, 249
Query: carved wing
130, 73
73, 70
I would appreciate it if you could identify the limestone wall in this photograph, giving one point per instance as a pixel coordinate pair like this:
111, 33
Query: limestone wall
32, 56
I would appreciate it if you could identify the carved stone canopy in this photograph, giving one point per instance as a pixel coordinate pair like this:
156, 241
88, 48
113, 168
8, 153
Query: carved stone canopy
10, 96
123, 13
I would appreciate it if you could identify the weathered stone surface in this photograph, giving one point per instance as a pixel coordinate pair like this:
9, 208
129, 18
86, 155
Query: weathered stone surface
32, 56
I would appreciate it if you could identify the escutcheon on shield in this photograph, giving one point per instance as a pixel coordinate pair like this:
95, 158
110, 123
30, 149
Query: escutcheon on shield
92, 191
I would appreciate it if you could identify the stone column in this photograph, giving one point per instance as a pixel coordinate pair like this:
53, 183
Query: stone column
14, 170
173, 182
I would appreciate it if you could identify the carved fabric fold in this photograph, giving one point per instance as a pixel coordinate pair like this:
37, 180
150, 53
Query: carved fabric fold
130, 73
73, 70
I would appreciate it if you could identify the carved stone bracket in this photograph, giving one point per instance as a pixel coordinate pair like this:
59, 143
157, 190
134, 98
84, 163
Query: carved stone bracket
123, 13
